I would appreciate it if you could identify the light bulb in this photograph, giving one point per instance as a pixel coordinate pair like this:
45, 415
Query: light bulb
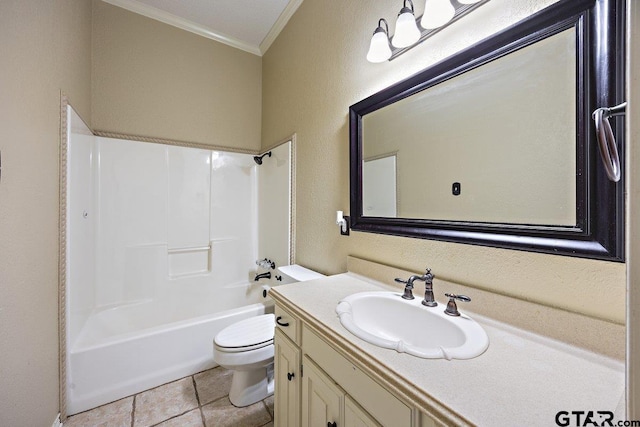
407, 32
437, 13
379, 50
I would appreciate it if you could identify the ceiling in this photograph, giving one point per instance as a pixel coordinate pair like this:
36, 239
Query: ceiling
250, 25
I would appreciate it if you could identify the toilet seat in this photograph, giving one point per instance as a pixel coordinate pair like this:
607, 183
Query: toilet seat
249, 334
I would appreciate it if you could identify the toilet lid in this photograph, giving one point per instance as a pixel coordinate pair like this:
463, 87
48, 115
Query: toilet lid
254, 331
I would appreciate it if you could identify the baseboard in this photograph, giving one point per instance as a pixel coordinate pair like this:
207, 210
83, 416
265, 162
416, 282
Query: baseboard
56, 422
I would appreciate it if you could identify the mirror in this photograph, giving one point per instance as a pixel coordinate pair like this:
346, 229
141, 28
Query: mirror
495, 145
504, 131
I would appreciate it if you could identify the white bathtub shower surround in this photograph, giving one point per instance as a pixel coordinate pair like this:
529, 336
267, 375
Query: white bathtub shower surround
80, 266
234, 216
189, 197
158, 214
162, 242
275, 184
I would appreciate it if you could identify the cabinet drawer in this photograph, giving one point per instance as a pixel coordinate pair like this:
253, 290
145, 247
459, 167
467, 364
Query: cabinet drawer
387, 409
355, 416
288, 324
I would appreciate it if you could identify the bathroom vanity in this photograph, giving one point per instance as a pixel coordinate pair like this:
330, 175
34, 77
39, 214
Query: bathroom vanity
325, 376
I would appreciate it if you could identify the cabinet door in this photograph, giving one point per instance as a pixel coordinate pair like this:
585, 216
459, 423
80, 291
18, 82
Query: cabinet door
355, 416
322, 399
287, 382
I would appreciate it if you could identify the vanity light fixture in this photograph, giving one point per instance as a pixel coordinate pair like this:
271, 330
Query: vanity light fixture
407, 32
379, 49
438, 14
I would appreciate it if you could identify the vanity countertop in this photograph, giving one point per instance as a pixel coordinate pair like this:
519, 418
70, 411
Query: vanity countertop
522, 378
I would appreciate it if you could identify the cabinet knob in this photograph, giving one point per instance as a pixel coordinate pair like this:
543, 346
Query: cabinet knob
278, 321
290, 376
333, 424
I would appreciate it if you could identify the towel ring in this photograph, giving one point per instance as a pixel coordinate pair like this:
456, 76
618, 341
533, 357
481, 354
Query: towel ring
607, 141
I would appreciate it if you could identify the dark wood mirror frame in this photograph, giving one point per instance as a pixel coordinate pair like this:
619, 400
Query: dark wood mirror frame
599, 230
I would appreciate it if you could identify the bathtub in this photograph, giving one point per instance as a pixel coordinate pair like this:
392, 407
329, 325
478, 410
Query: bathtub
127, 349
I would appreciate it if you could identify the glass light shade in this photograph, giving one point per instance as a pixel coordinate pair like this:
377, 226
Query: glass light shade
437, 13
379, 50
407, 32
468, 1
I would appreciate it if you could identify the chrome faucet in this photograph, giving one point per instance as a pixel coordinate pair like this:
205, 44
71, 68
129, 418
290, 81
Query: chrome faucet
427, 278
266, 275
429, 299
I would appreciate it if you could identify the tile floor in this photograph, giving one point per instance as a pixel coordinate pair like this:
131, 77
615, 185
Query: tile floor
201, 400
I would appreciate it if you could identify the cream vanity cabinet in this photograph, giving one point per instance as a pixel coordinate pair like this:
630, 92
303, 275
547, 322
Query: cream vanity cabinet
287, 364
287, 381
318, 387
326, 404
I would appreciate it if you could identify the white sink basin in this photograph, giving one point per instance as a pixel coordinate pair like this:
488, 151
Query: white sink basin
386, 320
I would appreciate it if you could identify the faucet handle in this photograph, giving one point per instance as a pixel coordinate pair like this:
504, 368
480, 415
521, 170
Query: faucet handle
452, 308
428, 276
266, 263
408, 286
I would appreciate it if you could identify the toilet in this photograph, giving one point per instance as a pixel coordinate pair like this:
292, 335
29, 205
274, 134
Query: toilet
246, 347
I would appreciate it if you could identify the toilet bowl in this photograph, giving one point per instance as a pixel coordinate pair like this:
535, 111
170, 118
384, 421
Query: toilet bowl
246, 348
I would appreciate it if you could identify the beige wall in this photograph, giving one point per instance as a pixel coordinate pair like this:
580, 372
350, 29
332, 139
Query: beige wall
45, 48
155, 80
314, 71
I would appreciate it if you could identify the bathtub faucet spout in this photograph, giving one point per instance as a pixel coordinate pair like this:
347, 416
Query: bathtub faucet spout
266, 275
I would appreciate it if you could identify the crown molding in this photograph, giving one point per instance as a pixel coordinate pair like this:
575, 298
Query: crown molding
185, 24
279, 25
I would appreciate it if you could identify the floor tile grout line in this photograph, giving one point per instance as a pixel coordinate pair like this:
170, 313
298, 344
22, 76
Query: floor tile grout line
195, 386
204, 422
173, 417
195, 389
211, 401
133, 410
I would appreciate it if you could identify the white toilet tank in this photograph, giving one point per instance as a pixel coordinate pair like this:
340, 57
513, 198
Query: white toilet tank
295, 273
